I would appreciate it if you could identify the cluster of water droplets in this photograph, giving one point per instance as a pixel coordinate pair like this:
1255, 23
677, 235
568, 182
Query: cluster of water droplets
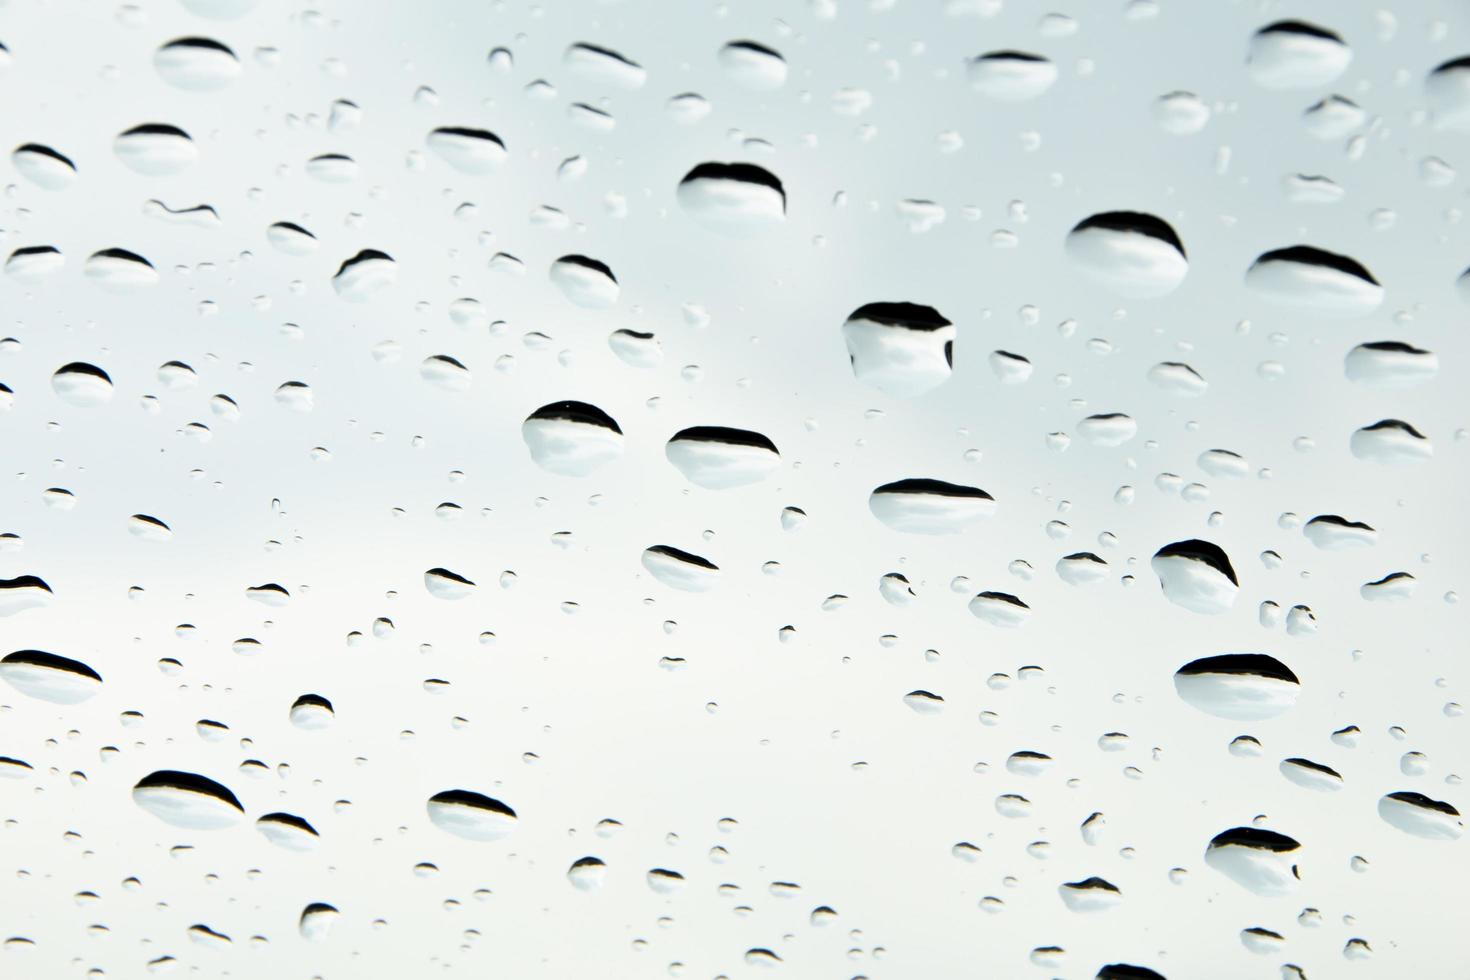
549, 492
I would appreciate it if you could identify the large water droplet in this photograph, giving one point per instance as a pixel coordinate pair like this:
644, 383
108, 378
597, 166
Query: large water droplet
1134, 254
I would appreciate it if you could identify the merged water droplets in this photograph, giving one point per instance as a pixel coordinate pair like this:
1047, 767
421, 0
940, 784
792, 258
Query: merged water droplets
1197, 575
1090, 895
22, 593
364, 275
1081, 568
902, 349
1393, 587
1390, 441
1260, 861
1333, 533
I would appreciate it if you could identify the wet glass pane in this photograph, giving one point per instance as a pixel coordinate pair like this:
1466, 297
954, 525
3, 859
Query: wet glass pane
850, 488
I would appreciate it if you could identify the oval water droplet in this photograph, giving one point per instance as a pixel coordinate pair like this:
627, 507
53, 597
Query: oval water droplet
84, 385
572, 438
1390, 364
316, 921
1416, 814
468, 150
1295, 54
43, 166
586, 282
734, 198
196, 64
288, 831
155, 149
34, 263
1000, 609
1134, 254
119, 271
1311, 775
312, 713
1448, 89
926, 506
471, 815
1238, 686
1011, 76
604, 66
719, 458
1308, 278
291, 238
441, 583
49, 677
680, 569
587, 873
753, 65
188, 800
